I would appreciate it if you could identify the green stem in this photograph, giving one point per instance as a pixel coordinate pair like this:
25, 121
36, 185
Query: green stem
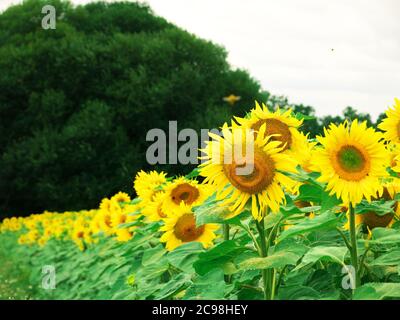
226, 231
362, 263
252, 236
226, 238
263, 253
234, 234
279, 282
353, 241
273, 233
348, 245
273, 284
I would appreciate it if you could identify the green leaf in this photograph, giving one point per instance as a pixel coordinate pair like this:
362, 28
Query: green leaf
272, 219
291, 245
324, 253
377, 291
185, 255
208, 286
316, 193
285, 253
151, 272
384, 236
212, 212
193, 174
153, 255
388, 259
326, 220
172, 287
129, 224
298, 293
217, 256
275, 260
308, 192
134, 201
380, 207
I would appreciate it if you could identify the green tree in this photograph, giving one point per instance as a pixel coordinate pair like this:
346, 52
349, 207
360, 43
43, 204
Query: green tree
76, 102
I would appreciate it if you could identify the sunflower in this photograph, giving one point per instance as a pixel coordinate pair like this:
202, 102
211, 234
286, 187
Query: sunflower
117, 217
147, 184
352, 161
373, 220
95, 223
123, 215
180, 227
105, 204
153, 210
304, 151
121, 197
105, 215
123, 235
280, 125
264, 185
42, 241
391, 124
394, 157
183, 190
81, 234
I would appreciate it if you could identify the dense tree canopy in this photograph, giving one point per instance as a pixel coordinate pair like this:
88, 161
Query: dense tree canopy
76, 102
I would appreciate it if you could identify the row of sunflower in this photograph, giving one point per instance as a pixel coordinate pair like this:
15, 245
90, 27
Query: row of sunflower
157, 197
355, 165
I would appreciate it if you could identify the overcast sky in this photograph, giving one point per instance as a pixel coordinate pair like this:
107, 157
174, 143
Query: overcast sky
324, 53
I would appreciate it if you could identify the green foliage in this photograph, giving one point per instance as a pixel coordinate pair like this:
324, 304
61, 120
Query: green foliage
378, 291
307, 258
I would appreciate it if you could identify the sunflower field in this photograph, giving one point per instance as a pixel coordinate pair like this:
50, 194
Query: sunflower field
314, 219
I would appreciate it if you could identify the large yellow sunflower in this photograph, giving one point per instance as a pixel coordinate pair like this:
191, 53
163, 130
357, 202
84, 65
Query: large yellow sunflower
280, 125
180, 227
263, 186
391, 124
352, 161
147, 184
190, 192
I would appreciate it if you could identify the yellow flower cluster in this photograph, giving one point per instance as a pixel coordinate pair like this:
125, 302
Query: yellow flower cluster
82, 227
172, 202
165, 200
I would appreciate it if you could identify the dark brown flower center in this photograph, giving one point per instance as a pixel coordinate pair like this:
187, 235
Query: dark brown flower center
186, 193
107, 220
186, 230
278, 128
160, 211
261, 177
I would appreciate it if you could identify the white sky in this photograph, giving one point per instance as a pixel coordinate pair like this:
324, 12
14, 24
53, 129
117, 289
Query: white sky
287, 45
